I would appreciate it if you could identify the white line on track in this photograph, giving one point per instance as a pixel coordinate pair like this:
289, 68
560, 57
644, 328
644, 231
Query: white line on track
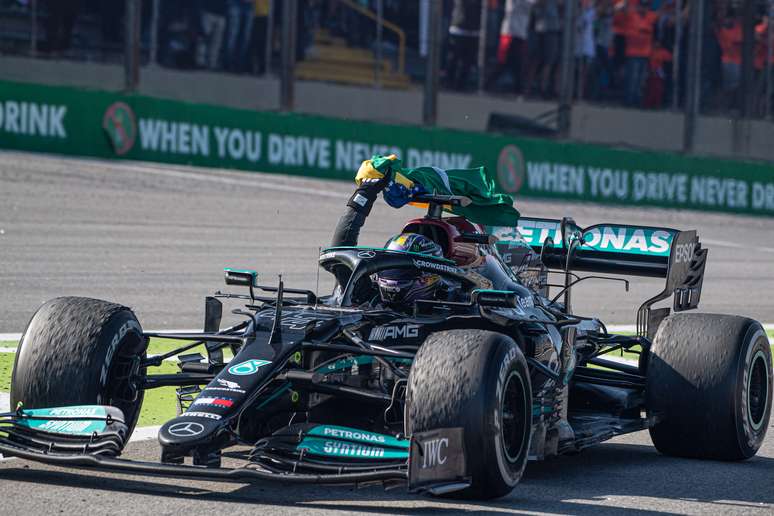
144, 433
265, 185
725, 243
17, 336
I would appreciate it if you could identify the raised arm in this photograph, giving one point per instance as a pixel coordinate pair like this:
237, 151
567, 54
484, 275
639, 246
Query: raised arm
369, 183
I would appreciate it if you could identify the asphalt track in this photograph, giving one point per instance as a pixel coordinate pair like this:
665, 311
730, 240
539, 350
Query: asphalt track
156, 238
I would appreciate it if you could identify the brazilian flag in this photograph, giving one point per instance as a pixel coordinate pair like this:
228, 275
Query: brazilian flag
489, 207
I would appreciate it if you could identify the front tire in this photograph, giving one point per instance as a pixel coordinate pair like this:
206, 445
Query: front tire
709, 386
477, 380
80, 351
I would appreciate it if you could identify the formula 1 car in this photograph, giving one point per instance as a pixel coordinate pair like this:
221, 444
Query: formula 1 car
449, 397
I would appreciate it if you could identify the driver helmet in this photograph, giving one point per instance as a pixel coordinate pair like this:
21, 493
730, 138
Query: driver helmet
404, 286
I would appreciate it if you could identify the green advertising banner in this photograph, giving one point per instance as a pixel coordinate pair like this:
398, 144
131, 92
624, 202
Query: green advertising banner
110, 125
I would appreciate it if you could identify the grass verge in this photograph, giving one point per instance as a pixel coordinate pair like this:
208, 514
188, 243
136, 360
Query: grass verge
159, 404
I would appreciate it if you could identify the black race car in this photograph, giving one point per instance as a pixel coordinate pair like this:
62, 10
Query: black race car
446, 397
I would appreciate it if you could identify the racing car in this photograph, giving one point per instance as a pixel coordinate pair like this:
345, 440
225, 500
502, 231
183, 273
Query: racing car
447, 397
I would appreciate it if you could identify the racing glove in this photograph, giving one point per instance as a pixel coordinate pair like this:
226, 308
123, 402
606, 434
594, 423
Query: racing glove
369, 183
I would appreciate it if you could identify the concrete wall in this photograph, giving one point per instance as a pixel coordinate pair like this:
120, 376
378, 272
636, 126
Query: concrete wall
715, 136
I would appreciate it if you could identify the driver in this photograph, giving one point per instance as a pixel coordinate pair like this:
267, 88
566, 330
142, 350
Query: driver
398, 288
401, 287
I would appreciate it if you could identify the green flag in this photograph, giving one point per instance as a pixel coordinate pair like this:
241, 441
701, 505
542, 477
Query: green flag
488, 207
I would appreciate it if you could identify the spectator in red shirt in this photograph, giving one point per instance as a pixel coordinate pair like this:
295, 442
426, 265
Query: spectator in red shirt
655, 87
513, 43
730, 37
640, 28
763, 47
617, 52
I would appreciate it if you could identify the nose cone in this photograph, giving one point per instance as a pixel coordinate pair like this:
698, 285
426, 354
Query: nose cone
187, 431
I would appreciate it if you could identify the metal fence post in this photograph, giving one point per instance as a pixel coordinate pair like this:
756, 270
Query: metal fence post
132, 45
482, 35
567, 86
154, 35
676, 55
269, 39
430, 101
769, 51
379, 34
747, 87
33, 27
693, 82
287, 77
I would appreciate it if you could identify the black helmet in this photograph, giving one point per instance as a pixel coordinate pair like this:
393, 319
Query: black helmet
404, 286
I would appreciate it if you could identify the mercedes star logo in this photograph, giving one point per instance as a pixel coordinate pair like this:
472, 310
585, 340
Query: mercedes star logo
366, 254
187, 429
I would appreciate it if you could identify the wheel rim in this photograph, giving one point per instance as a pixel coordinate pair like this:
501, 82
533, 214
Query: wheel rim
513, 417
757, 390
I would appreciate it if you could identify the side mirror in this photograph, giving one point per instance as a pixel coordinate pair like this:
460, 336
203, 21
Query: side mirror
241, 277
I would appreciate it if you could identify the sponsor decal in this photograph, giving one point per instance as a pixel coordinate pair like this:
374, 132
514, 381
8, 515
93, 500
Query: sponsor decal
332, 448
66, 427
77, 411
217, 402
629, 240
522, 303
359, 199
352, 450
354, 434
327, 256
381, 333
608, 238
684, 252
227, 383
435, 452
535, 232
510, 169
438, 457
247, 367
120, 126
502, 375
205, 415
186, 429
118, 337
74, 427
224, 389
33, 119
366, 255
424, 264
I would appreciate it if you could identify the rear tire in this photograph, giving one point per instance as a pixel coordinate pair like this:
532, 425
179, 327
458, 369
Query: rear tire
709, 384
80, 351
477, 380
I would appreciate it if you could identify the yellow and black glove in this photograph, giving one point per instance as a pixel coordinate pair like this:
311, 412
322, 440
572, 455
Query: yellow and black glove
370, 182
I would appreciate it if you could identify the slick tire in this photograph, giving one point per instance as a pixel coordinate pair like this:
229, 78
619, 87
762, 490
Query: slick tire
80, 351
477, 380
709, 386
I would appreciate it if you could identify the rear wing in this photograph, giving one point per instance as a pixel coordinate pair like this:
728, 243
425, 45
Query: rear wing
676, 256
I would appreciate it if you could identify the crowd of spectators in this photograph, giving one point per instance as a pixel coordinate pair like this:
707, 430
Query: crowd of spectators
623, 49
228, 35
